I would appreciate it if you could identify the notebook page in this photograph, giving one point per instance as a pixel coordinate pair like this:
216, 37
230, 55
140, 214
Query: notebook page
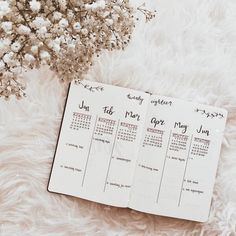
178, 159
97, 147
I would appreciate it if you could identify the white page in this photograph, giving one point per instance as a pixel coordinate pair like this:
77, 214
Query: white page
178, 159
97, 160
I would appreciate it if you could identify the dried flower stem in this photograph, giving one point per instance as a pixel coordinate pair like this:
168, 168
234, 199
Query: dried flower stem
149, 15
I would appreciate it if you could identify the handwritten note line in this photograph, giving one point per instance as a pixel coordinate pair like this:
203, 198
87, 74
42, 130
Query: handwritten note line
86, 165
167, 148
113, 145
190, 145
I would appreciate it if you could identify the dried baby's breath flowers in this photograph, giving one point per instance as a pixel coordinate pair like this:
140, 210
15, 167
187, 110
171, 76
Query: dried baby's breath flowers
147, 13
64, 34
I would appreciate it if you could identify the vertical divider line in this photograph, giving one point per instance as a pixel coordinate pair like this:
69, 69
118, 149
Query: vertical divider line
86, 165
159, 189
113, 145
190, 145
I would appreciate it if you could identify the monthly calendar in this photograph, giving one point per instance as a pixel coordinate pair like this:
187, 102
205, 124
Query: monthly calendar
80, 121
127, 148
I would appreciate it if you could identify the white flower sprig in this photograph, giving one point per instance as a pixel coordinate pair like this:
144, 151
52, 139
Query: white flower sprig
64, 34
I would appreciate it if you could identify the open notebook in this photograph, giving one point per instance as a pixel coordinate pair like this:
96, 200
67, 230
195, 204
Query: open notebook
127, 148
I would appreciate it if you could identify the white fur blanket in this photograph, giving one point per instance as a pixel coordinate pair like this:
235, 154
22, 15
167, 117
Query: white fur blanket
188, 51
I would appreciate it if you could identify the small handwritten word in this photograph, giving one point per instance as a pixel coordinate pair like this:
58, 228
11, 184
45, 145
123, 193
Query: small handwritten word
181, 126
71, 168
123, 159
108, 110
132, 115
102, 140
209, 114
203, 131
82, 106
156, 122
176, 158
119, 185
89, 87
161, 102
195, 191
72, 145
137, 98
148, 167
191, 181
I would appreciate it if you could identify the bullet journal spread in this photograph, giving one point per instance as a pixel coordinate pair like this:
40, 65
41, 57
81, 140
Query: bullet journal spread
127, 148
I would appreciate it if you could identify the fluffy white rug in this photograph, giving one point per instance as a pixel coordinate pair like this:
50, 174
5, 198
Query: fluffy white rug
188, 51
